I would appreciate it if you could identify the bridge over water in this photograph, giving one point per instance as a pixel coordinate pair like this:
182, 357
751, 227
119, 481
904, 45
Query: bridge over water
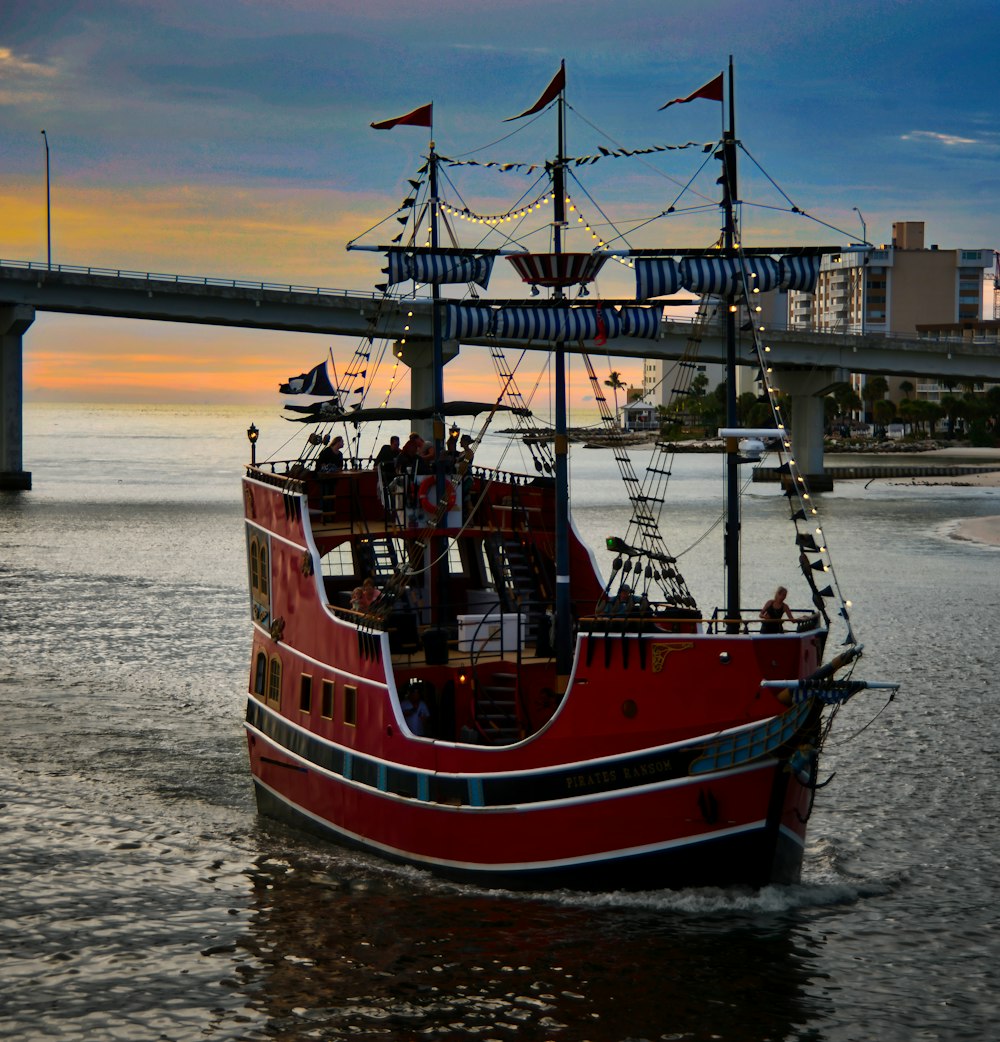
806, 363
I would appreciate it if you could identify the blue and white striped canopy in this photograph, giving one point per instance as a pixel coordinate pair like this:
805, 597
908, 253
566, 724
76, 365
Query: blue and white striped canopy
799, 273
720, 275
763, 273
661, 276
656, 277
439, 268
464, 320
558, 325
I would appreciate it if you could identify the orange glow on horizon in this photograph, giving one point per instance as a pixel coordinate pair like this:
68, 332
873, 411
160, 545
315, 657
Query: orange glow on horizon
277, 235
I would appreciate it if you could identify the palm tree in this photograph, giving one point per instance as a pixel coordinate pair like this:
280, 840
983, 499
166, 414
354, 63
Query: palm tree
616, 383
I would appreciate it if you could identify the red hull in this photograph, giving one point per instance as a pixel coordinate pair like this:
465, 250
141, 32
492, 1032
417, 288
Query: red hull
623, 782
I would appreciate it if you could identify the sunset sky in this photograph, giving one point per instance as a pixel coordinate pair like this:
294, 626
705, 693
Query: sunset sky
231, 139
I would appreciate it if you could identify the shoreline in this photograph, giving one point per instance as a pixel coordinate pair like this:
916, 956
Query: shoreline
982, 530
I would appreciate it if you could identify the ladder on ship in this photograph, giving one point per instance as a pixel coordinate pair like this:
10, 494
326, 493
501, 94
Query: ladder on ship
378, 559
516, 577
496, 713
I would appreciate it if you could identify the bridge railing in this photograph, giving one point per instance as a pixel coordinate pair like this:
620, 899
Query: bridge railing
187, 280
320, 291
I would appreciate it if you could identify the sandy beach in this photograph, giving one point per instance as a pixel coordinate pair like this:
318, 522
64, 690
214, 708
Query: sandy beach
974, 529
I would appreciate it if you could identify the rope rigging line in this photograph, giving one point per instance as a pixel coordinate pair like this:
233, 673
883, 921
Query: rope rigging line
797, 486
659, 566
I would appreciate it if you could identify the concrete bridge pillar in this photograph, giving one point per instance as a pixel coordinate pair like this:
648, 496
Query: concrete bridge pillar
806, 389
419, 356
14, 320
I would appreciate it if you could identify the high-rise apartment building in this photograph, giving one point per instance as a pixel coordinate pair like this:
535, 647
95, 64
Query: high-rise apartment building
893, 289
899, 287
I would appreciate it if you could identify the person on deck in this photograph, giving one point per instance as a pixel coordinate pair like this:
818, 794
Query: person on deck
773, 613
466, 454
415, 710
331, 458
406, 461
426, 458
385, 464
623, 602
386, 459
369, 593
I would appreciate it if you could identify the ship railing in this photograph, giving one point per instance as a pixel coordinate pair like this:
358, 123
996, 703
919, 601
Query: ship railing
653, 618
748, 620
643, 616
287, 478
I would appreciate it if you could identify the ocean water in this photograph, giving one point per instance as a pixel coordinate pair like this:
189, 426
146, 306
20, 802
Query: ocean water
144, 899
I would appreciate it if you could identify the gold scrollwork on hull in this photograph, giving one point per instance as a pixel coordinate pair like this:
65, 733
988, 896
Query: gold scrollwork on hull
661, 651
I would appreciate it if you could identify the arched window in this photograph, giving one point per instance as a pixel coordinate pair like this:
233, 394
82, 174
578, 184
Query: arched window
259, 673
274, 681
264, 571
254, 565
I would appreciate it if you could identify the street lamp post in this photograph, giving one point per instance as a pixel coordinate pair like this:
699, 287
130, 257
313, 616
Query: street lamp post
864, 227
864, 268
48, 201
252, 435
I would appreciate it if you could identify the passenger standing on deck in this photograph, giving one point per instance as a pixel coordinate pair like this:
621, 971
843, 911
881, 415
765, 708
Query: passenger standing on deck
385, 464
406, 462
466, 454
386, 459
426, 458
331, 458
774, 611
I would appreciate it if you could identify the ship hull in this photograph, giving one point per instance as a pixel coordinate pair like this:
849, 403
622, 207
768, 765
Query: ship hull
744, 826
664, 763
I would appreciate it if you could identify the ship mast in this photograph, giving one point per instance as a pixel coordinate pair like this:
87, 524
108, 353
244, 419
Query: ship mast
439, 573
564, 627
731, 551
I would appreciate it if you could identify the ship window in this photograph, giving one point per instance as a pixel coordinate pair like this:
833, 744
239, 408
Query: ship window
274, 681
455, 563
254, 565
350, 704
305, 693
263, 570
259, 673
326, 700
339, 561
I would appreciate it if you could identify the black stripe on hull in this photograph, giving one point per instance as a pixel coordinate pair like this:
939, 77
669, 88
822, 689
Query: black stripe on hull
542, 786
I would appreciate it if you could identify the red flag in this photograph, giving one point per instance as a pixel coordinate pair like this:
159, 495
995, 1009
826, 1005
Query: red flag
712, 91
421, 117
602, 330
550, 93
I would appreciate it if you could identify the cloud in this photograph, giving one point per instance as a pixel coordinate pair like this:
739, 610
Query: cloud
948, 140
19, 80
11, 66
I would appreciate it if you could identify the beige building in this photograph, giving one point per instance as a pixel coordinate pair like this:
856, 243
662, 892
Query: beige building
889, 290
894, 289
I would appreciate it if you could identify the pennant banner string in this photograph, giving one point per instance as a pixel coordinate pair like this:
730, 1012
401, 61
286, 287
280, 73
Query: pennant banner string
602, 153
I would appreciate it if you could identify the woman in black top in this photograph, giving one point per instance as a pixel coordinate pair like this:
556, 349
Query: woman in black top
774, 611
